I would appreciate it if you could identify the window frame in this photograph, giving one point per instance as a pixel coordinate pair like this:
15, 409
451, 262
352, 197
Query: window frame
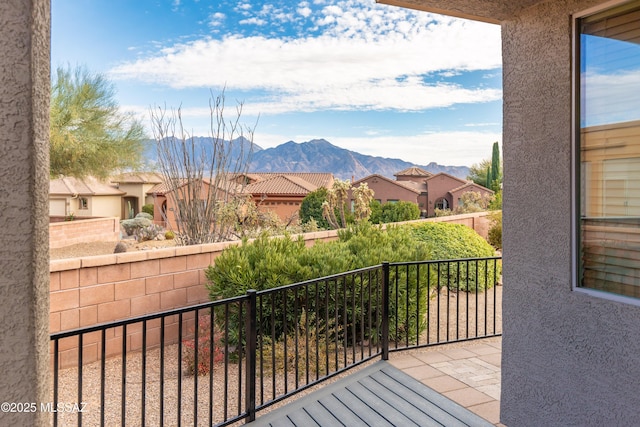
576, 169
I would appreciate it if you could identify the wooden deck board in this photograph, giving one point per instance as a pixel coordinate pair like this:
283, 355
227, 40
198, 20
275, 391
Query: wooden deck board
377, 395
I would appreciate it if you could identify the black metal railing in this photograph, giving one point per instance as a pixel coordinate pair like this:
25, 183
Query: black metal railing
221, 362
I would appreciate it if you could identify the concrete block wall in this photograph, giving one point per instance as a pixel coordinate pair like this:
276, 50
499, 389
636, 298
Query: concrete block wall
99, 289
83, 230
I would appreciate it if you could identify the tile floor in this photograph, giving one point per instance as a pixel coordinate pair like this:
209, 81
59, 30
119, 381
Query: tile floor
467, 373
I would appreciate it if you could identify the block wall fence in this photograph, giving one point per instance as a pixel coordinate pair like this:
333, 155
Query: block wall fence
80, 230
99, 289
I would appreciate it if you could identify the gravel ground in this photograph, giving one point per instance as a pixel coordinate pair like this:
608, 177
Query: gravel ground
104, 248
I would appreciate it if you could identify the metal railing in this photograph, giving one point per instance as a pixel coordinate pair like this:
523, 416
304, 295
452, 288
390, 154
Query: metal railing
221, 362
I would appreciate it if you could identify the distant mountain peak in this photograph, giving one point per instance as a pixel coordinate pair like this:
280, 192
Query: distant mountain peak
320, 155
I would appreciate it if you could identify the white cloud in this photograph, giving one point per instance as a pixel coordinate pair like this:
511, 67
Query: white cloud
253, 21
611, 98
367, 57
216, 19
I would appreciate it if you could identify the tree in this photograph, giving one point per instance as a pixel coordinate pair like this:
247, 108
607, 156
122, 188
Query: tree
205, 179
89, 134
496, 170
311, 207
478, 172
334, 207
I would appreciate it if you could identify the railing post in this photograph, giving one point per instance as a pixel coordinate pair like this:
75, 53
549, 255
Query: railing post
252, 333
385, 311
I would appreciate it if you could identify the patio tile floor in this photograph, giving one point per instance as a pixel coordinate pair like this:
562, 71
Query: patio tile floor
467, 373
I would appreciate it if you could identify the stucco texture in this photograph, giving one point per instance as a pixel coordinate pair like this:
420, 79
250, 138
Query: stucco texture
569, 359
24, 158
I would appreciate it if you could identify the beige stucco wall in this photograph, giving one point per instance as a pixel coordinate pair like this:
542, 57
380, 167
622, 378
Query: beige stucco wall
568, 358
24, 183
105, 206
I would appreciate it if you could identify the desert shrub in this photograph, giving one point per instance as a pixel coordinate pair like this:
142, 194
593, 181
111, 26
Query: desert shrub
203, 347
150, 232
131, 226
120, 248
496, 202
311, 208
495, 230
268, 263
456, 241
148, 209
311, 359
399, 211
145, 215
376, 212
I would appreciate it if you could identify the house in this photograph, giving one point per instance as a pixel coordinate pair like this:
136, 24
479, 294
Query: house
571, 341
136, 186
571, 351
164, 204
428, 191
87, 197
386, 190
281, 193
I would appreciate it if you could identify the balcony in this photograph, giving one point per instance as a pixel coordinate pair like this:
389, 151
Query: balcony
231, 361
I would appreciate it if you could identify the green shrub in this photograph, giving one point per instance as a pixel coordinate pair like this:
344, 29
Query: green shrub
311, 208
169, 235
400, 211
495, 230
457, 241
148, 209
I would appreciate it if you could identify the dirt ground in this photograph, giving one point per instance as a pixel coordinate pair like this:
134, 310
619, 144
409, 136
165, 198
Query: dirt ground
105, 248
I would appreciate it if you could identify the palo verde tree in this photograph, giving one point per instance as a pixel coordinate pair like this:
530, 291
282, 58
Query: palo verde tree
89, 134
204, 176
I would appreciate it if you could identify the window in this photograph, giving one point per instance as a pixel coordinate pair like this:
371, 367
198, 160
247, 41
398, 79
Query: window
608, 149
442, 204
83, 203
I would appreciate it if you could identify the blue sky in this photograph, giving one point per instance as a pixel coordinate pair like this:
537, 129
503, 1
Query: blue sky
377, 79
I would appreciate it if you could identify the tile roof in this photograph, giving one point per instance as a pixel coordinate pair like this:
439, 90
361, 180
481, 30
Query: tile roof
319, 179
462, 181
289, 184
85, 187
416, 187
296, 183
470, 184
137, 178
413, 171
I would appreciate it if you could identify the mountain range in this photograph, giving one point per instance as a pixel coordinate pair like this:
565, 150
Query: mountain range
319, 155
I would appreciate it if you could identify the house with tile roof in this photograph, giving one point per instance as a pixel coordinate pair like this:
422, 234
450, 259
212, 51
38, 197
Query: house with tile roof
87, 197
281, 193
428, 191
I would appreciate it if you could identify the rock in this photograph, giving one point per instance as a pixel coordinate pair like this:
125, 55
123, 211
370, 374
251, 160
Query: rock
120, 247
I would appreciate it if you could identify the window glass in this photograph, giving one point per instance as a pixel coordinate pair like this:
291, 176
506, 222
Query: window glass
609, 150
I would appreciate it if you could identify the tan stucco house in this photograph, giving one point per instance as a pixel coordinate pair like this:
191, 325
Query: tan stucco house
87, 197
137, 186
571, 341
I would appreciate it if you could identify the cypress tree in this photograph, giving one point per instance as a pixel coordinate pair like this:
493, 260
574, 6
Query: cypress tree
495, 168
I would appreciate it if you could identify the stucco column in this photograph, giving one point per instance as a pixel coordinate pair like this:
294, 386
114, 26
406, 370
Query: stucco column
24, 173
